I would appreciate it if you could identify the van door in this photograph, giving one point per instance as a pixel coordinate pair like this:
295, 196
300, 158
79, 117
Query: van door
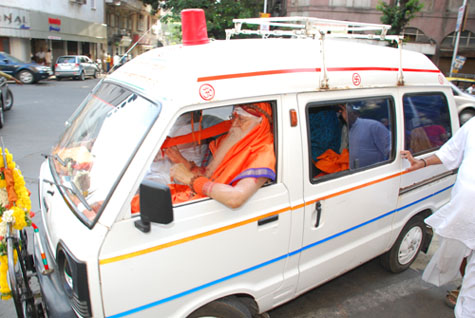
209, 251
351, 180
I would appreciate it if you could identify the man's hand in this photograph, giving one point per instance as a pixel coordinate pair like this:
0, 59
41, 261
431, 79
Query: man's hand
176, 157
181, 173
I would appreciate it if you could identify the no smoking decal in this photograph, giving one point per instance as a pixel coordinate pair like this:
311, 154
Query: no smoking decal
356, 78
207, 92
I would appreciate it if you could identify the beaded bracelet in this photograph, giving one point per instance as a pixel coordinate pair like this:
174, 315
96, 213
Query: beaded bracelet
425, 162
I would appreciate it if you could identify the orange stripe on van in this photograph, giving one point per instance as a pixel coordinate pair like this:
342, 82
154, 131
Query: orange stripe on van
357, 187
190, 238
261, 73
235, 225
309, 70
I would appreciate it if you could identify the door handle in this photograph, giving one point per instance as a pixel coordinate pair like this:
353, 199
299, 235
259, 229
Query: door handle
269, 219
318, 208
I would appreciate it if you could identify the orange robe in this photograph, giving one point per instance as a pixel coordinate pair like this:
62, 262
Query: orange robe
252, 157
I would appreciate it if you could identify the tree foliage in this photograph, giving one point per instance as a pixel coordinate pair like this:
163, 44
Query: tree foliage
219, 13
398, 15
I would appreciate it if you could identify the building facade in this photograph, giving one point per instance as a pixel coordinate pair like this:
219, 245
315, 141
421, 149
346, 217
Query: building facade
64, 27
431, 32
130, 25
28, 29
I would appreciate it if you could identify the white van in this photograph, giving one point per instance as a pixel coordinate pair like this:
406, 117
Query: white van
202, 259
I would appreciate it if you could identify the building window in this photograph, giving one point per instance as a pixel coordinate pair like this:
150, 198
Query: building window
93, 4
467, 40
415, 35
350, 3
140, 23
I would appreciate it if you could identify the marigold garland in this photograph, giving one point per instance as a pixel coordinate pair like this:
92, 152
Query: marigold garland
16, 212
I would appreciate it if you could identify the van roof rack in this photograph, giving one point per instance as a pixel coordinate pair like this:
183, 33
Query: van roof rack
307, 27
316, 28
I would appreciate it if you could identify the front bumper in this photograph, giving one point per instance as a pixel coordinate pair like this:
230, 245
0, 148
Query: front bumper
56, 302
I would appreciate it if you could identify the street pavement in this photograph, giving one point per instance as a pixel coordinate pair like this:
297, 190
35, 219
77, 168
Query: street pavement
33, 126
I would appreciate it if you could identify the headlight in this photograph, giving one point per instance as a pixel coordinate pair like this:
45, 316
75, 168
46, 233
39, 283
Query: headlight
73, 275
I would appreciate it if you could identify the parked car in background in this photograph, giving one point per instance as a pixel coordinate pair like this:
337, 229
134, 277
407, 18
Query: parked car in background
75, 66
27, 73
465, 104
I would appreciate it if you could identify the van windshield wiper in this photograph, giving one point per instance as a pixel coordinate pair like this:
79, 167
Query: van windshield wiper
74, 189
62, 162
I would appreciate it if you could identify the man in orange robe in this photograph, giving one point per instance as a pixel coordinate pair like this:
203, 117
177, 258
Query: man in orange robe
243, 160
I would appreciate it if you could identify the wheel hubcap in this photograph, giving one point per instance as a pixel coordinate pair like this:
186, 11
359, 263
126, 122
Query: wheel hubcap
26, 77
410, 245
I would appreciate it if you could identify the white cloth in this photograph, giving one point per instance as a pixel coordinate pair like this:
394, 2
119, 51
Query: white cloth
444, 265
456, 219
159, 170
116, 59
465, 307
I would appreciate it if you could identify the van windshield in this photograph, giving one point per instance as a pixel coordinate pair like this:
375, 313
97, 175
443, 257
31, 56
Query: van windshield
97, 145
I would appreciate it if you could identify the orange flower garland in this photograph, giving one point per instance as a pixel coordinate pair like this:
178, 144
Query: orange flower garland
15, 206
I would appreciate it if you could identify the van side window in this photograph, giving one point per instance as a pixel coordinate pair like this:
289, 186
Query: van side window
349, 135
222, 145
426, 122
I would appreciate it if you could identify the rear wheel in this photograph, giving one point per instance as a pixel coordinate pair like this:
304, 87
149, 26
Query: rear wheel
229, 307
26, 77
407, 246
8, 100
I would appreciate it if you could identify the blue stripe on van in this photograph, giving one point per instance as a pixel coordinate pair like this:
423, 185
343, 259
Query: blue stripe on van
274, 260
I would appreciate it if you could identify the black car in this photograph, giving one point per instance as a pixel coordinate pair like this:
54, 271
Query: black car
27, 73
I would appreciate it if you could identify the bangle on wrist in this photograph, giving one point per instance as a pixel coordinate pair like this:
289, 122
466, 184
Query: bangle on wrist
425, 162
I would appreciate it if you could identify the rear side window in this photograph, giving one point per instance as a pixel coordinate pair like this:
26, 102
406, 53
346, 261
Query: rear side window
66, 59
350, 135
426, 122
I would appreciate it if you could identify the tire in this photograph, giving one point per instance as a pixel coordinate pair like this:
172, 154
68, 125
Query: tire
229, 307
26, 77
407, 246
95, 74
8, 100
2, 115
58, 78
465, 115
82, 76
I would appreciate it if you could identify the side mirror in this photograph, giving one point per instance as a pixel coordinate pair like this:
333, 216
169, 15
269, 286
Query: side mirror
155, 205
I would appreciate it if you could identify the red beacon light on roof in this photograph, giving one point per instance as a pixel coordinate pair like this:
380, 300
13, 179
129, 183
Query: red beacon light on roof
193, 25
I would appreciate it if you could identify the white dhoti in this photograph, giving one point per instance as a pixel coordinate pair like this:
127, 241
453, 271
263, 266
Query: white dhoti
465, 307
445, 264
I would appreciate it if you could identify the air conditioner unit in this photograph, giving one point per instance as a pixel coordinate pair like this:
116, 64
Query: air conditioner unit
109, 1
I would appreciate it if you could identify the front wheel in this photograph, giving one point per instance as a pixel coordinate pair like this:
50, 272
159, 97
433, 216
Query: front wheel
229, 307
18, 277
26, 77
8, 100
407, 246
